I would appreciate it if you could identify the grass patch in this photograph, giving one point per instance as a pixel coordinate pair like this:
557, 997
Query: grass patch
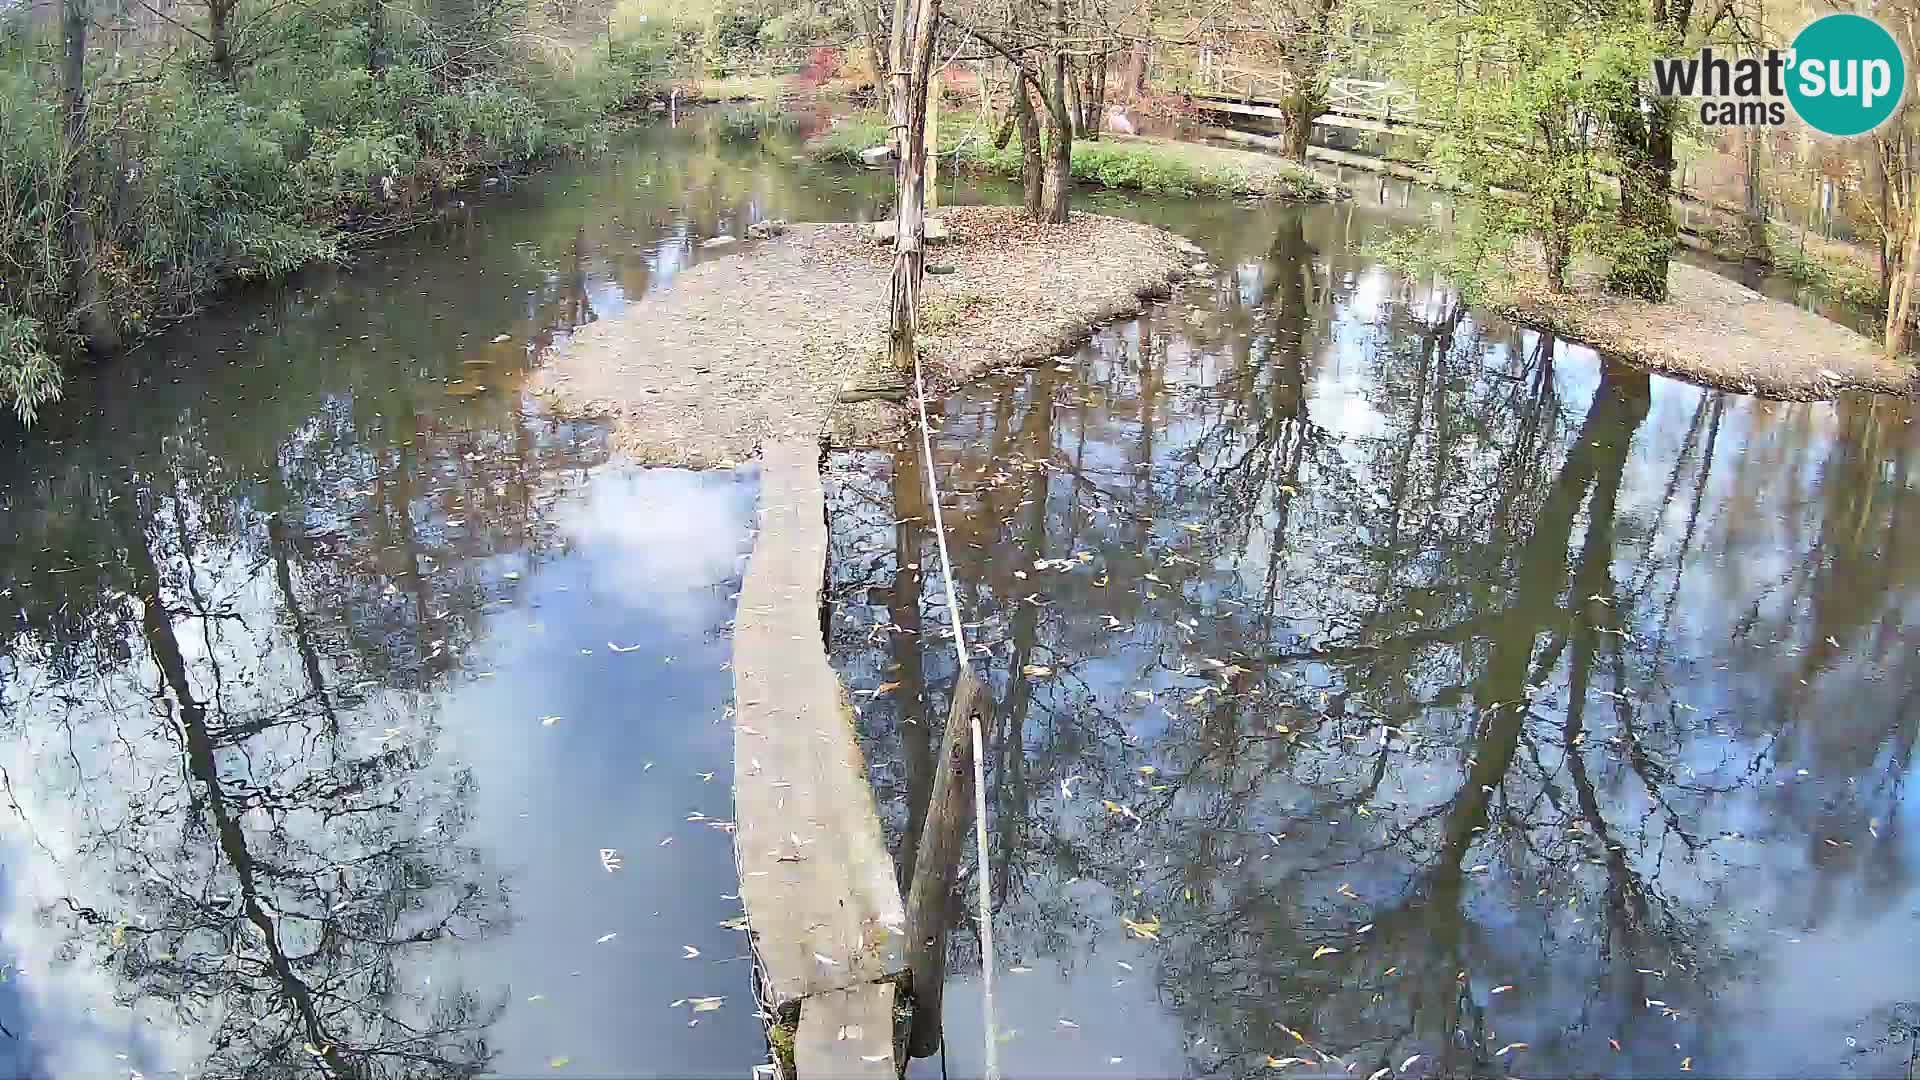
1832, 276
739, 88
1152, 166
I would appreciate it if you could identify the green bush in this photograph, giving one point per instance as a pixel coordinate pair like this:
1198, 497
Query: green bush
203, 184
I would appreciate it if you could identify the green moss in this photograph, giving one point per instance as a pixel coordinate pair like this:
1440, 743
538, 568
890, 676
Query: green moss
780, 1040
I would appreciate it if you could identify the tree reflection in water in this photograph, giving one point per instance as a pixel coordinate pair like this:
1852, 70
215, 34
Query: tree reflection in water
1461, 690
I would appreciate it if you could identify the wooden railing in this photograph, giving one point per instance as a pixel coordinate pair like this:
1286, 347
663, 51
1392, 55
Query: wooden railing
1365, 98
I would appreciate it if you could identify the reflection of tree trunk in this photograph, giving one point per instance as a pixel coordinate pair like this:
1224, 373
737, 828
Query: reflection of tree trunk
906, 644
278, 542
1596, 460
1010, 786
401, 500
157, 628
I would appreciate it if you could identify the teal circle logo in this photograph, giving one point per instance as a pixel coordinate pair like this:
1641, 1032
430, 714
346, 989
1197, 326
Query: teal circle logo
1846, 74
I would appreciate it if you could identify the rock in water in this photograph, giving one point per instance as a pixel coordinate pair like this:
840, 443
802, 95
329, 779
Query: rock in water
876, 156
761, 230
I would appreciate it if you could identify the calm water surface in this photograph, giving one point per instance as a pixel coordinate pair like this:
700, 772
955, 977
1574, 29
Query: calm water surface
1381, 686
360, 719
363, 719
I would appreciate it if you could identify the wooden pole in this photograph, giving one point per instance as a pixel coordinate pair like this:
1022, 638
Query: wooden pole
938, 860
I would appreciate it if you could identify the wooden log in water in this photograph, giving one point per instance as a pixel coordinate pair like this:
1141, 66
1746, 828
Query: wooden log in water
942, 838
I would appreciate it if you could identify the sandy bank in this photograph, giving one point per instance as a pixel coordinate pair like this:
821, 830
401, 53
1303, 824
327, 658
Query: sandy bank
758, 345
1712, 331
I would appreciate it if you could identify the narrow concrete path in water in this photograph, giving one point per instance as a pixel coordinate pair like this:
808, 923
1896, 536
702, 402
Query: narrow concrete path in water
819, 889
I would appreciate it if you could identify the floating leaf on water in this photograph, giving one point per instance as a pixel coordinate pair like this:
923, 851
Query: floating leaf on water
537, 997
1066, 1023
549, 721
604, 938
706, 1004
1323, 951
559, 1063
622, 648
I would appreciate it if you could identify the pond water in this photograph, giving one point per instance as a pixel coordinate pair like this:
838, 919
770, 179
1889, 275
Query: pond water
1382, 686
362, 718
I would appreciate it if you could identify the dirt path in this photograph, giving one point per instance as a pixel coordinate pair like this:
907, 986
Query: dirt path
757, 346
1716, 332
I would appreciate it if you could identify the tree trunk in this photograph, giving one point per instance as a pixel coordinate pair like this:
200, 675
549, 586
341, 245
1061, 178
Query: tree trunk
1644, 246
1142, 48
1056, 196
912, 67
376, 36
870, 30
96, 324
1058, 192
1303, 109
1754, 213
1099, 111
219, 38
1559, 257
1076, 108
1032, 175
1900, 303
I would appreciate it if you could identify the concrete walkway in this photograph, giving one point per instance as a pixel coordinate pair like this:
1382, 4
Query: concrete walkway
822, 904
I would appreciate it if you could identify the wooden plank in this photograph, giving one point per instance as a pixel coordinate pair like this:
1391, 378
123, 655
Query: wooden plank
815, 877
847, 1035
